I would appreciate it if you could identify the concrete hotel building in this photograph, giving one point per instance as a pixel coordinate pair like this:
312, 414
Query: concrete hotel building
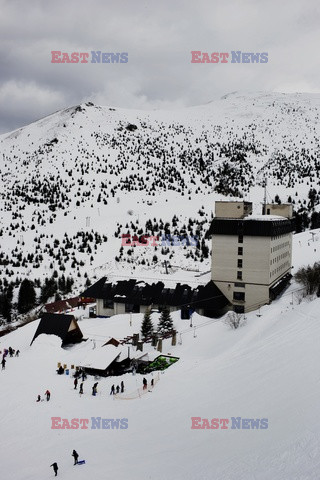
251, 255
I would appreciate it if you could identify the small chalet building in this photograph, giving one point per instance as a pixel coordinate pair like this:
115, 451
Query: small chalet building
64, 326
108, 360
135, 296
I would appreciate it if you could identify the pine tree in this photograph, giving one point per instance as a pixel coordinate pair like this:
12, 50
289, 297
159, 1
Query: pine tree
165, 323
6, 308
48, 289
27, 296
147, 326
6, 304
69, 283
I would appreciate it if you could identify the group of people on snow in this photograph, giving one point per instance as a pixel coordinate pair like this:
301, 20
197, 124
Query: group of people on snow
54, 465
47, 394
117, 389
8, 352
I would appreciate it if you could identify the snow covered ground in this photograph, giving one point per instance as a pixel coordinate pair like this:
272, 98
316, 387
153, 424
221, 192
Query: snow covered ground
267, 369
80, 170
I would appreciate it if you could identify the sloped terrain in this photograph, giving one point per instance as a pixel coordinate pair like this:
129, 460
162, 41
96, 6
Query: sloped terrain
265, 369
72, 183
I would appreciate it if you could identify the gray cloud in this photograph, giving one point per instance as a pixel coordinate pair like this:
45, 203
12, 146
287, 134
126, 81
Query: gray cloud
159, 37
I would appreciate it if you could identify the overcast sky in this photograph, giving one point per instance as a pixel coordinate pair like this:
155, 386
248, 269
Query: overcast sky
158, 36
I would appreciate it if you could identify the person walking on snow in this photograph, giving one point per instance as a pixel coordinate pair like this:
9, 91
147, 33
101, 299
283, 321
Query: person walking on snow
122, 386
47, 393
17, 353
75, 456
55, 468
75, 383
81, 388
112, 390
3, 363
38, 399
118, 389
145, 383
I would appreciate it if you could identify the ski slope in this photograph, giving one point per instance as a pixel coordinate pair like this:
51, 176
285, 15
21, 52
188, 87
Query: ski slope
80, 170
268, 368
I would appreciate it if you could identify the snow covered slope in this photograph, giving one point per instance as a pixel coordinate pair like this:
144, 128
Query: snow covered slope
266, 369
72, 183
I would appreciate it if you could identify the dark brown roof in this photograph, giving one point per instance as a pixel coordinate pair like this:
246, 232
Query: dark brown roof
58, 324
62, 305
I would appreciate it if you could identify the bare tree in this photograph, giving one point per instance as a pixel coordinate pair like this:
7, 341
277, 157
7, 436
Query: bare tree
234, 320
309, 277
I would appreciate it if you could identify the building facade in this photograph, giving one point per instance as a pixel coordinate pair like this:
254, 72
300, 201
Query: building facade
251, 255
133, 296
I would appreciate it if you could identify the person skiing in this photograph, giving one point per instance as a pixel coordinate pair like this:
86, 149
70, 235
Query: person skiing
122, 387
93, 391
95, 386
81, 388
38, 399
145, 383
55, 468
75, 456
75, 383
112, 390
3, 363
47, 393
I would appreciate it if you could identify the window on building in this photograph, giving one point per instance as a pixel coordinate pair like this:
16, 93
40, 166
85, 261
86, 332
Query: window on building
238, 308
108, 303
239, 296
240, 250
240, 263
240, 238
130, 307
239, 275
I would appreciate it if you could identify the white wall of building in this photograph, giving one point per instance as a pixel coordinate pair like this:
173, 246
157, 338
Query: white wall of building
265, 260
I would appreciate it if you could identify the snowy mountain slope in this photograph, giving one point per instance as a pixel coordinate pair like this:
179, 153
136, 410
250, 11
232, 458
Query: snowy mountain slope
72, 183
266, 369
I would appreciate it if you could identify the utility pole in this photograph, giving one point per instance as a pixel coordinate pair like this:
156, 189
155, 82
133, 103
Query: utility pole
166, 267
264, 208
